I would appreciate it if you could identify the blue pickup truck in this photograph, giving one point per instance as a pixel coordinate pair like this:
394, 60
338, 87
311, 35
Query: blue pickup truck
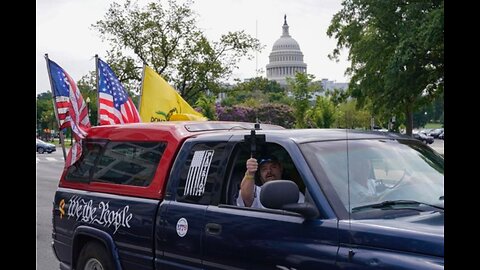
163, 196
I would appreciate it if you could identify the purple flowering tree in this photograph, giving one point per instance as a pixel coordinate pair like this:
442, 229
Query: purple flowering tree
277, 114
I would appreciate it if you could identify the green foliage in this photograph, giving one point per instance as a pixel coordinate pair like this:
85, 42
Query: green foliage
322, 115
337, 96
45, 113
255, 92
302, 90
432, 112
166, 38
89, 93
207, 106
396, 52
348, 116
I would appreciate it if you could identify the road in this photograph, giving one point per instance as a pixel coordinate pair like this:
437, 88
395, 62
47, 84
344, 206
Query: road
49, 170
437, 145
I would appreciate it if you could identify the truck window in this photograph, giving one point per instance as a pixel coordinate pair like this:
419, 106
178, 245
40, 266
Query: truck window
199, 179
242, 153
80, 171
129, 163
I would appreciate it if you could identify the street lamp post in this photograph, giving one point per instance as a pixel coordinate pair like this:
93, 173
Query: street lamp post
88, 106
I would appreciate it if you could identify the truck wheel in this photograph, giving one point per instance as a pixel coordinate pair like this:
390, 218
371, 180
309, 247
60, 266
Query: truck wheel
93, 256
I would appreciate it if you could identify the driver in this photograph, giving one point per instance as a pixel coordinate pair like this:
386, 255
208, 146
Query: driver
269, 169
364, 183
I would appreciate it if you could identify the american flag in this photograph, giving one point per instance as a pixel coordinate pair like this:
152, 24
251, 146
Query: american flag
71, 109
116, 107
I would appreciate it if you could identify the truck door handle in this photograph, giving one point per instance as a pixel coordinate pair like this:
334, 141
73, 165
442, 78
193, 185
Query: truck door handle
213, 228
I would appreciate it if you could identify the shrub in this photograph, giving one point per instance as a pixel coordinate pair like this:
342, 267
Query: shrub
277, 114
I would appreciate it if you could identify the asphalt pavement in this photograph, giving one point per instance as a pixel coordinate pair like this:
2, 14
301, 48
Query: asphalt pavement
437, 145
49, 169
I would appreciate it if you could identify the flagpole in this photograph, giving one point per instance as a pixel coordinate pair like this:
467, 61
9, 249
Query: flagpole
141, 88
98, 90
55, 109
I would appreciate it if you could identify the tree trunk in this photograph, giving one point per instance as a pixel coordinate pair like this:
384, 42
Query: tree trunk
409, 119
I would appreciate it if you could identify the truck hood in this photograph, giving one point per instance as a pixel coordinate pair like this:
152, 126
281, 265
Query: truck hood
423, 233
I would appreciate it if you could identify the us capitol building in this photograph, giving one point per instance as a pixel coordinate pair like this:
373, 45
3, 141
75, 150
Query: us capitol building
286, 59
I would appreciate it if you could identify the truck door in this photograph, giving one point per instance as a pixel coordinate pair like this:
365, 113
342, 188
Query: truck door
254, 238
181, 223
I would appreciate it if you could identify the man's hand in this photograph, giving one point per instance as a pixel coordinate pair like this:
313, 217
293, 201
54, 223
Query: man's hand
252, 166
248, 182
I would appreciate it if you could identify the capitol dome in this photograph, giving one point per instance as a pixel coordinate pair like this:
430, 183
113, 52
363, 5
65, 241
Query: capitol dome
286, 58
286, 43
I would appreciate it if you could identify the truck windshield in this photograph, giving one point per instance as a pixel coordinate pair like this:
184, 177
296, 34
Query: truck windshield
357, 173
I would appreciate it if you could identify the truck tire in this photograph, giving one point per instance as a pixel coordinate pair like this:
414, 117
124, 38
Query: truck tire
94, 256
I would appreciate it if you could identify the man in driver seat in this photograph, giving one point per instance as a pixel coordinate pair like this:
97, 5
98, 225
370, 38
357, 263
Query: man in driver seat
361, 172
269, 169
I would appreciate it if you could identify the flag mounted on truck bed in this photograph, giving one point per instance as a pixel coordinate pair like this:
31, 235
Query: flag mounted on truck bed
115, 105
160, 102
70, 108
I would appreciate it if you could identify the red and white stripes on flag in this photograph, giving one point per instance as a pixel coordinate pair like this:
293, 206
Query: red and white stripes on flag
71, 109
74, 153
62, 104
79, 121
116, 107
109, 115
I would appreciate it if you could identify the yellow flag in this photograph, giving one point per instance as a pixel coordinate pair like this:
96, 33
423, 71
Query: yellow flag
160, 102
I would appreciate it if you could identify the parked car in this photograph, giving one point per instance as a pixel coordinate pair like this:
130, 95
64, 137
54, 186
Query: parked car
441, 136
424, 138
436, 132
43, 147
425, 131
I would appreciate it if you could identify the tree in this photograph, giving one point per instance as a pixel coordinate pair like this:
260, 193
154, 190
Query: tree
420, 119
348, 116
45, 113
89, 92
302, 90
396, 52
256, 91
168, 40
337, 96
207, 105
322, 115
277, 114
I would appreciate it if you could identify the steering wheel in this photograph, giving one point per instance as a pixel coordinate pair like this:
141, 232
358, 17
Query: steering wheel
401, 190
405, 173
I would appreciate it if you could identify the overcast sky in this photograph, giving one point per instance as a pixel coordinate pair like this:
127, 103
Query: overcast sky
64, 32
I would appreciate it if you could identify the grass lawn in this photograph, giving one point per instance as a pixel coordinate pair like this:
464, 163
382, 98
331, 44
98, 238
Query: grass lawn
433, 125
56, 141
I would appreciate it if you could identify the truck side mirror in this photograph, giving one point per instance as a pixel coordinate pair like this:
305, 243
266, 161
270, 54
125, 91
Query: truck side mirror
277, 193
284, 194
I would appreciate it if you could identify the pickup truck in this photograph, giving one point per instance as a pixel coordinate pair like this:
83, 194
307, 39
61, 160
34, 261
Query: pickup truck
163, 196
